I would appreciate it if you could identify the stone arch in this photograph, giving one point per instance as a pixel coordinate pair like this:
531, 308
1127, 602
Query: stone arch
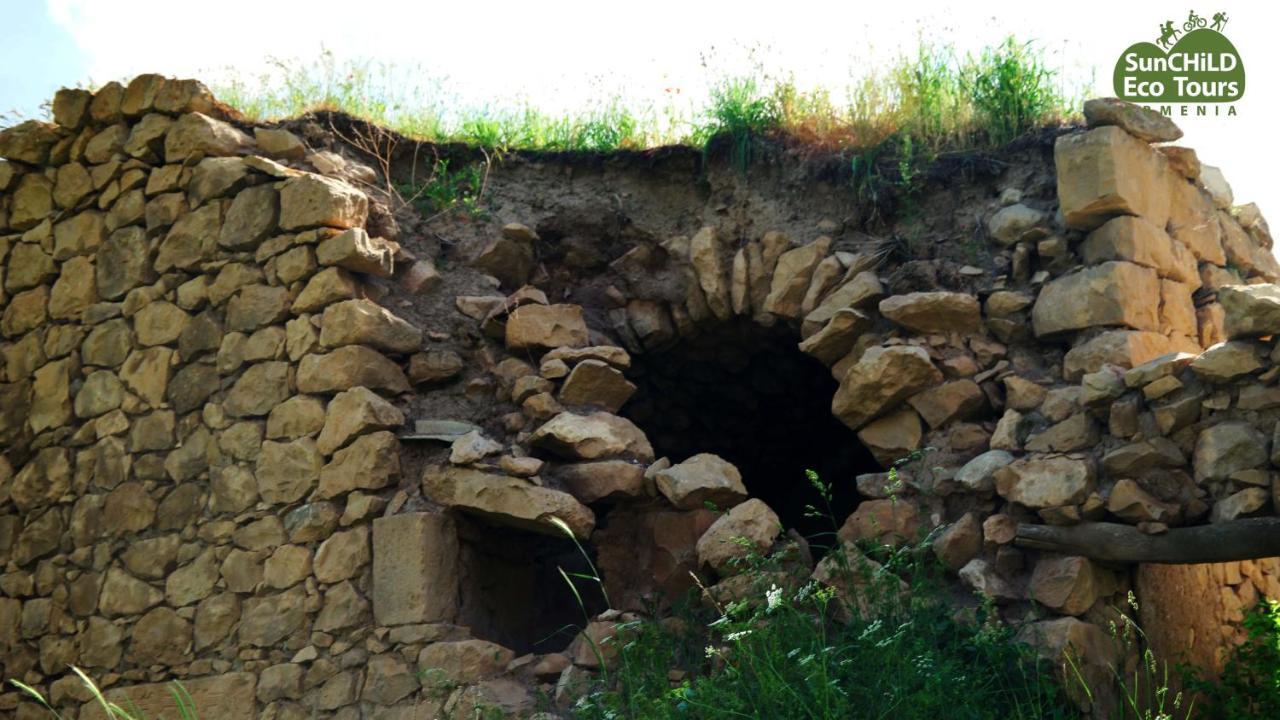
868, 372
815, 309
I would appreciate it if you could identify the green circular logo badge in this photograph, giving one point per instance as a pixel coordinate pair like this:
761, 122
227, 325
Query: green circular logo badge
1190, 62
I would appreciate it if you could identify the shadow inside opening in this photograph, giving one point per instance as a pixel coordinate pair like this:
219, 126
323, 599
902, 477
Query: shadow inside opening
748, 394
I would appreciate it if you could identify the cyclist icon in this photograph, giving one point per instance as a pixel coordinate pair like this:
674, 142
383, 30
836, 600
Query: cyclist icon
1193, 22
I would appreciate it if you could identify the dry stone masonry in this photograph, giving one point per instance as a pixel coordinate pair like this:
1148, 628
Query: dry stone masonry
258, 438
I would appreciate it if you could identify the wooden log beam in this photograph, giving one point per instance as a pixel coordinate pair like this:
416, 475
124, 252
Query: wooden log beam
1248, 539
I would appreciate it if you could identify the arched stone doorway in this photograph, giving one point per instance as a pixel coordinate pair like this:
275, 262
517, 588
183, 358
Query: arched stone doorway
744, 391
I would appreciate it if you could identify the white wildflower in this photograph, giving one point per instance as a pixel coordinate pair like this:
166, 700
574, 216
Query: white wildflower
773, 596
736, 636
711, 651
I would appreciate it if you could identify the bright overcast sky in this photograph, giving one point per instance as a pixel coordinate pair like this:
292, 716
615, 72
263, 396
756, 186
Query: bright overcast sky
558, 54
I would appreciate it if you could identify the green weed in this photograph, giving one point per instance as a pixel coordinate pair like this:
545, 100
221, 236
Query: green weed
406, 99
447, 191
862, 646
932, 106
1011, 90
1145, 689
605, 130
932, 96
795, 650
741, 111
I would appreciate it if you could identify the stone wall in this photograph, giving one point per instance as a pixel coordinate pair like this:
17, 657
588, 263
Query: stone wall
1205, 621
256, 441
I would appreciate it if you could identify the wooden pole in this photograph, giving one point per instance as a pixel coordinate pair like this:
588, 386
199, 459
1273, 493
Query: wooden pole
1248, 539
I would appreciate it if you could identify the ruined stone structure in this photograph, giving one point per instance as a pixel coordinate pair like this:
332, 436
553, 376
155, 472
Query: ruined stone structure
267, 431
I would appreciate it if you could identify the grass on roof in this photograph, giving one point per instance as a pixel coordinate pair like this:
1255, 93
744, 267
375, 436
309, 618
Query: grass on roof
935, 99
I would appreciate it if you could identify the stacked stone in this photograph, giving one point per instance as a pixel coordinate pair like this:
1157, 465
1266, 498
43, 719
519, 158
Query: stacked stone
1215, 597
197, 412
915, 369
1157, 228
1214, 411
201, 397
769, 280
1149, 436
1139, 231
568, 397
1192, 438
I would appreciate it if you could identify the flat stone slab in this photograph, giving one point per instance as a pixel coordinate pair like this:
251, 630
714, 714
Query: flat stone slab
439, 430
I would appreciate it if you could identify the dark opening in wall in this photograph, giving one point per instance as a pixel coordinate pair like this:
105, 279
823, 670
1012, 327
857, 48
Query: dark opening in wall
511, 589
748, 394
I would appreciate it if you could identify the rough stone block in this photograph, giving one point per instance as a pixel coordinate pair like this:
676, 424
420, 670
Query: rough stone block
1177, 310
791, 277
881, 379
355, 250
1113, 293
1143, 123
317, 201
347, 367
531, 327
1045, 481
28, 142
355, 322
71, 107
183, 96
199, 133
415, 568
1107, 172
930, 312
1138, 241
509, 501
1192, 221
1122, 348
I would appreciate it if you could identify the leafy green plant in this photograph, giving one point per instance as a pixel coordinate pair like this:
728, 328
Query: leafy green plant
932, 101
613, 128
485, 132
1249, 686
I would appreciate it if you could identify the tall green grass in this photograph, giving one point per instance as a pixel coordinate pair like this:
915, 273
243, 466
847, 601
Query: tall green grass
932, 105
935, 96
1011, 90
183, 705
1143, 686
741, 111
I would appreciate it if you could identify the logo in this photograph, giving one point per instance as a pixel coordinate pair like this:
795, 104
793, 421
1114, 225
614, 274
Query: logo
1193, 64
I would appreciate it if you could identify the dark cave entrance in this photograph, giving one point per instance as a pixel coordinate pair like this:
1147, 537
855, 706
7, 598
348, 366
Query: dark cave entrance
511, 591
746, 393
